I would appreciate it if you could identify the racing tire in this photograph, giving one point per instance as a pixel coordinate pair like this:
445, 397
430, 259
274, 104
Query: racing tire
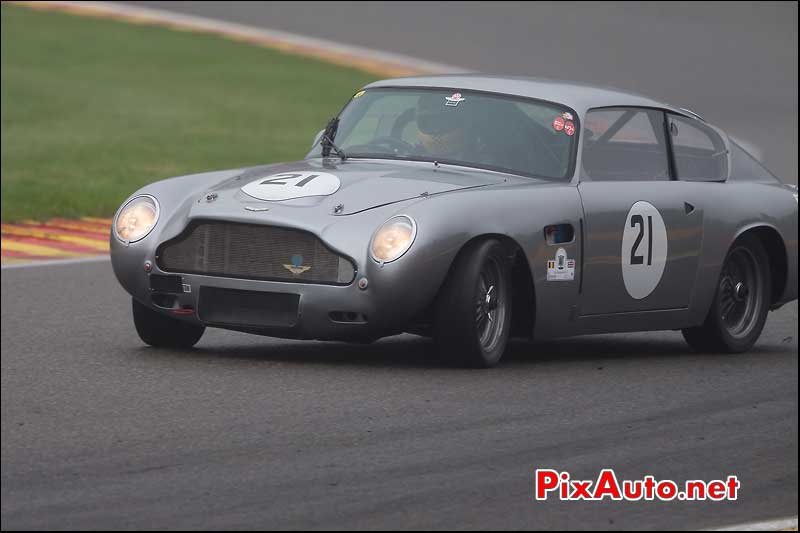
161, 331
473, 309
741, 302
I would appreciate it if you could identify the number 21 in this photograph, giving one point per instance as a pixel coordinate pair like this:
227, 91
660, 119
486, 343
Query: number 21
638, 220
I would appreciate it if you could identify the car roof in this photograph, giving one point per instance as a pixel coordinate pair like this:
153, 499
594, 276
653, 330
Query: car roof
580, 97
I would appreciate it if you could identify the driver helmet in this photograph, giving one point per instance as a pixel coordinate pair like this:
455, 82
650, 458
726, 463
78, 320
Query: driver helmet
441, 128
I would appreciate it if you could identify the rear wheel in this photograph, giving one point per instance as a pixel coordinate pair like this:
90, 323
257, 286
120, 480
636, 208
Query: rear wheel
162, 331
473, 310
741, 303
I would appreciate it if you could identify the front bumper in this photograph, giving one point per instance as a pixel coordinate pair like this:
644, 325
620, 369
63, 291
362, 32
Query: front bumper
275, 309
396, 294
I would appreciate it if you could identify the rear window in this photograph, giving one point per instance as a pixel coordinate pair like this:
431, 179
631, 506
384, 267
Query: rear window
745, 167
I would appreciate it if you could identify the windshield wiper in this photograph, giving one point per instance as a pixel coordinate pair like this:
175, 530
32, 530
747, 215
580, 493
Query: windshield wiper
327, 140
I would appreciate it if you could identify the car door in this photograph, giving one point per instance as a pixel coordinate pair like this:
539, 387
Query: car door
642, 232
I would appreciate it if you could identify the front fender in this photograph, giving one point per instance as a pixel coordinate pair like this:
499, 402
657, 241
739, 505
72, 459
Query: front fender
447, 223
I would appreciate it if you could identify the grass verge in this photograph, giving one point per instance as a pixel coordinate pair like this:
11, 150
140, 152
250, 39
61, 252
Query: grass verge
94, 109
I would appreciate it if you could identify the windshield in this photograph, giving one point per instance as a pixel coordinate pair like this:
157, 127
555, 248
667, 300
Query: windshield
496, 132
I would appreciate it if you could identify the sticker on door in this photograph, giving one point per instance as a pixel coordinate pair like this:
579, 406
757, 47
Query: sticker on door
561, 268
644, 250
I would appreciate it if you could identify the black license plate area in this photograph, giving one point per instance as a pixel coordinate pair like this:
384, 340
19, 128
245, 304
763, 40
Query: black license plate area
166, 284
234, 307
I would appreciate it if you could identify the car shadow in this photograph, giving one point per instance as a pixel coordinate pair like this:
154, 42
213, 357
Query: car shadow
410, 351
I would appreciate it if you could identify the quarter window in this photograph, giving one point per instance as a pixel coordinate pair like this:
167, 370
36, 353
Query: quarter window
700, 154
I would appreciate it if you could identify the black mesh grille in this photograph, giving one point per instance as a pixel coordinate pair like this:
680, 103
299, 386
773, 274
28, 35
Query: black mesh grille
253, 252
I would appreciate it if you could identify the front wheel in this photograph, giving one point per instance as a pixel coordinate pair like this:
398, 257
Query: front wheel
161, 331
473, 309
741, 303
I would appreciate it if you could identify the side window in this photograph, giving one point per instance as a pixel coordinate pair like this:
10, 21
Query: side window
700, 153
624, 144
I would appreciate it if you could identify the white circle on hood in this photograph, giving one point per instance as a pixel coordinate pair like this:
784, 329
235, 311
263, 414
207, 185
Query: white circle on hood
289, 185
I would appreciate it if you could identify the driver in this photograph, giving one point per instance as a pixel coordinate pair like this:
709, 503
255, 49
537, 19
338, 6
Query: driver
442, 129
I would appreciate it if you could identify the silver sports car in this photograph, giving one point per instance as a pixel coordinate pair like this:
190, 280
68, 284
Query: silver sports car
471, 208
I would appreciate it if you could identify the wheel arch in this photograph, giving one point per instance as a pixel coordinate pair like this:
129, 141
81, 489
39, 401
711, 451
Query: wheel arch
523, 312
776, 250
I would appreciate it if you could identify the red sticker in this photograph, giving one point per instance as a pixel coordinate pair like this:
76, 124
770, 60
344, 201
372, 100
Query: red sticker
569, 128
558, 123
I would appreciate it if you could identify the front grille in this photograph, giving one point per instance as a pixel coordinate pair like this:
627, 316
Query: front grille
250, 251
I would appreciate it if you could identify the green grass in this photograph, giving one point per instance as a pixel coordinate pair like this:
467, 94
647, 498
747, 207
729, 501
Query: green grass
94, 109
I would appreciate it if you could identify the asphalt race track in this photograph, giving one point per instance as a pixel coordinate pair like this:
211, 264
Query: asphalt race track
249, 432
98, 430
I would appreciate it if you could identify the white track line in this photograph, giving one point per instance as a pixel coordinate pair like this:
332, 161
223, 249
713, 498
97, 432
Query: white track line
767, 525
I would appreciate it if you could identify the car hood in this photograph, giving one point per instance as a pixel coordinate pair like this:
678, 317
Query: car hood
346, 188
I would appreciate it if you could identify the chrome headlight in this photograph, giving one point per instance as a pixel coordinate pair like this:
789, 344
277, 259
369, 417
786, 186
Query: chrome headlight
393, 239
136, 219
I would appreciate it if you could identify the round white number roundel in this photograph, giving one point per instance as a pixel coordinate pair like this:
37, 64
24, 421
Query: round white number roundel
289, 185
644, 250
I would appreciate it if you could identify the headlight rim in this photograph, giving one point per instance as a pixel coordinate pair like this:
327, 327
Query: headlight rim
124, 206
410, 243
